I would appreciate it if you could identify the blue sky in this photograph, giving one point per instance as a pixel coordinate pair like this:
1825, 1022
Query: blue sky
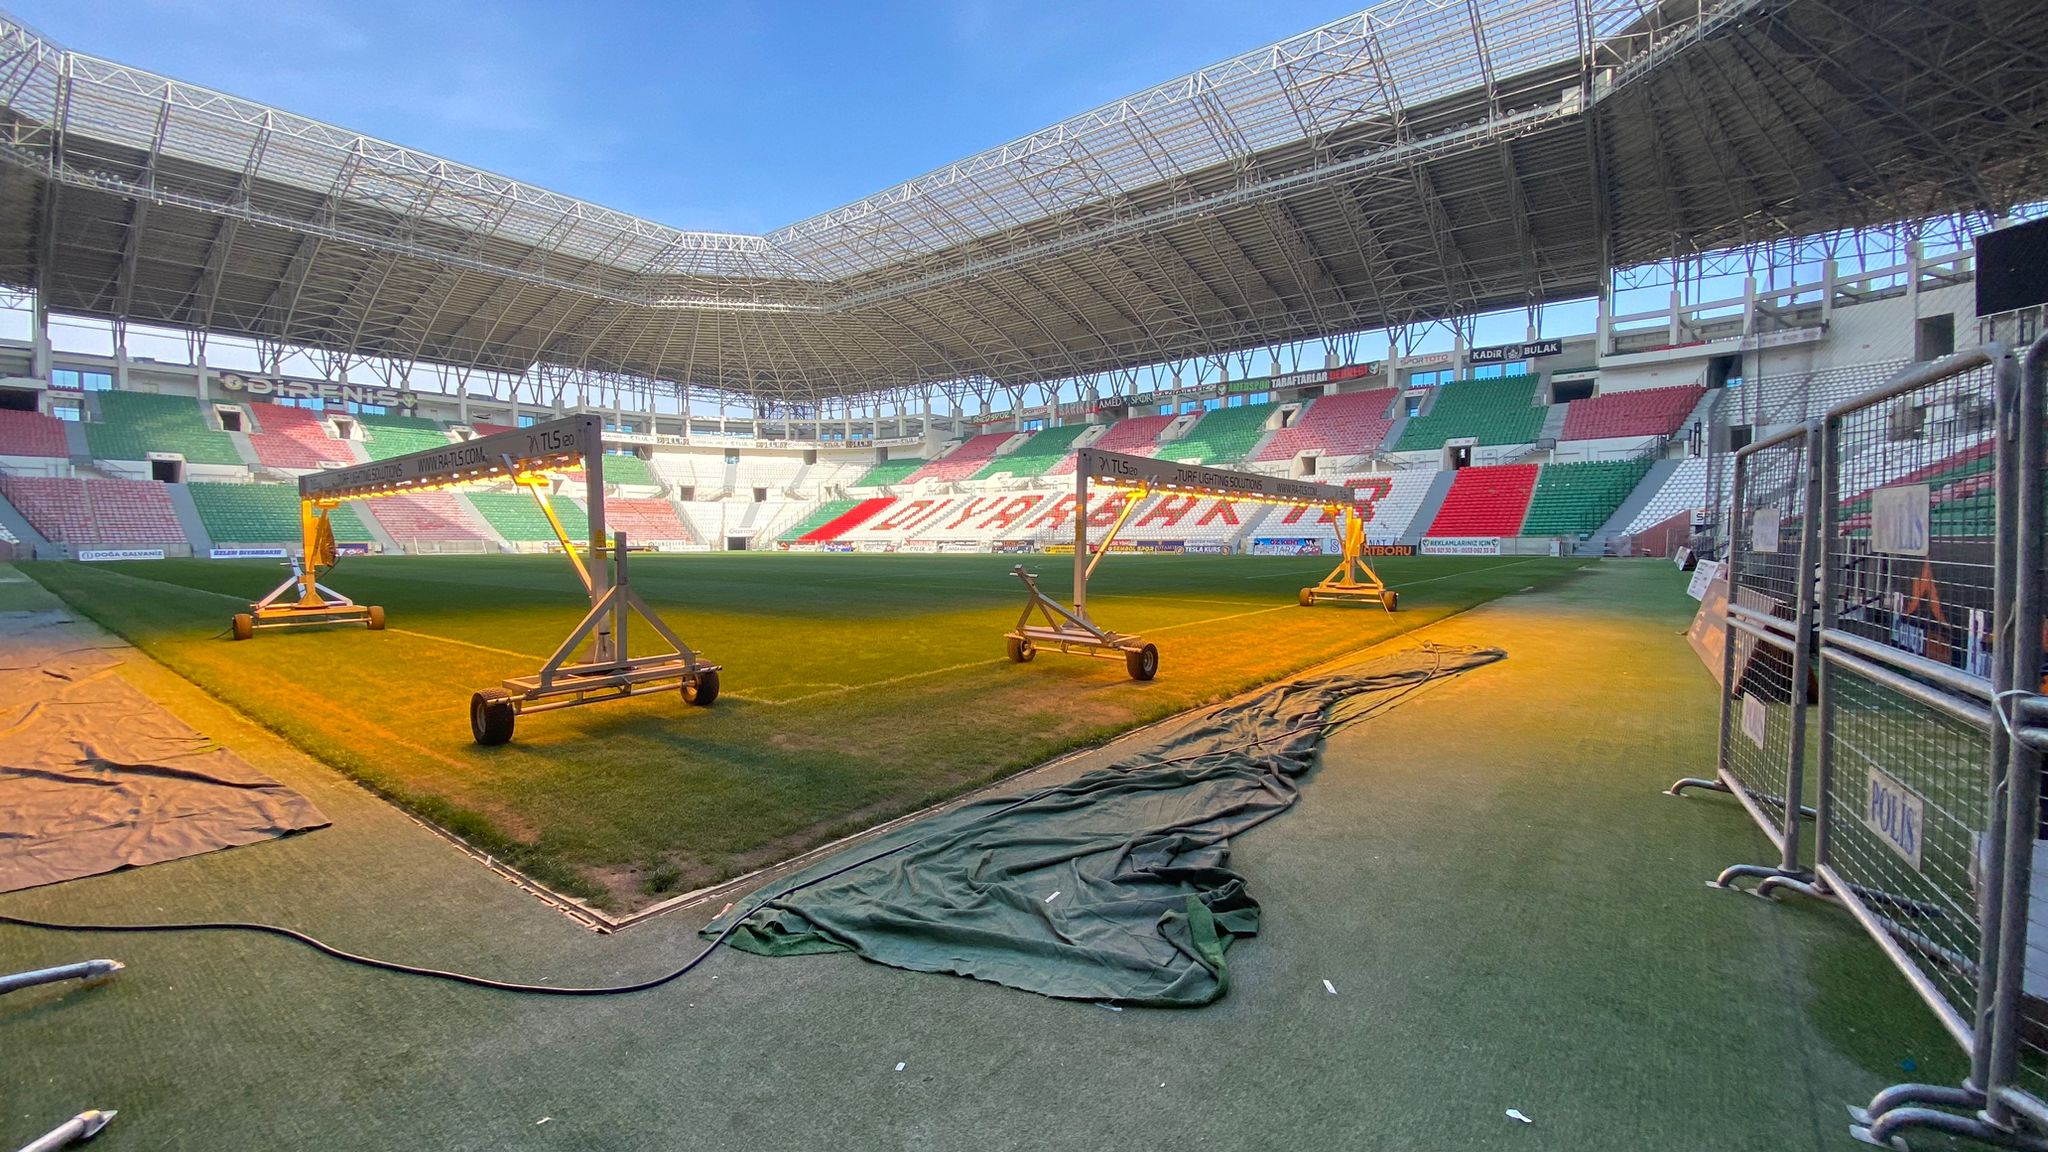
736, 116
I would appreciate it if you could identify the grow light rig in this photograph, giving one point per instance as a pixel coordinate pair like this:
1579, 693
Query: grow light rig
1073, 631
522, 455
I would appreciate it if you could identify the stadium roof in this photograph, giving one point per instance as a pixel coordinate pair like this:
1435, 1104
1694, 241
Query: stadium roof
1421, 159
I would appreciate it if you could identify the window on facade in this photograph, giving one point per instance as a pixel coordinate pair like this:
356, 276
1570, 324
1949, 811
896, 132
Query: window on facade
365, 409
526, 421
81, 379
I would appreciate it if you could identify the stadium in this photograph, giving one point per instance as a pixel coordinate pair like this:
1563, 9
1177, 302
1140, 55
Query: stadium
1468, 578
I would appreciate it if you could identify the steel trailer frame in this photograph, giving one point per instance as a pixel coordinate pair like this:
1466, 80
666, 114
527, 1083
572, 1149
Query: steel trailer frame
1074, 632
611, 672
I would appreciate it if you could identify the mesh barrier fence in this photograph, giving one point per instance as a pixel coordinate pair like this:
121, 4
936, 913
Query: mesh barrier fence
1770, 621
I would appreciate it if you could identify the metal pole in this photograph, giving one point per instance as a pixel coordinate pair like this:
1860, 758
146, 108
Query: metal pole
1824, 767
84, 970
1731, 559
1802, 652
2022, 776
83, 1126
1081, 535
593, 500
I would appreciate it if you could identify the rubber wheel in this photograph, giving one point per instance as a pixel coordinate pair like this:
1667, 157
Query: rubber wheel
244, 625
1308, 597
376, 620
1021, 650
703, 690
491, 717
1390, 599
1142, 664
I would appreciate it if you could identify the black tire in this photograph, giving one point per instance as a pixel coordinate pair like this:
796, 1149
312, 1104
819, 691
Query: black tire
243, 625
1142, 664
703, 690
376, 620
1021, 650
1390, 599
1308, 597
491, 717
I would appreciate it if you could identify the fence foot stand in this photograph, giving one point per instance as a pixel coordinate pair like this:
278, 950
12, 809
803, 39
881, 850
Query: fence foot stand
1791, 882
1890, 1129
1904, 1095
1763, 872
77, 1130
1679, 786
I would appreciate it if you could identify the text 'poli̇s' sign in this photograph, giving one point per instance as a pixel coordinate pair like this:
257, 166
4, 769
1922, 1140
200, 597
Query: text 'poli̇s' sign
1899, 519
285, 389
1898, 816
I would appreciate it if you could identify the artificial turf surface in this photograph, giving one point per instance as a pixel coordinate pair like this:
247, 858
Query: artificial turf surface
855, 688
1510, 911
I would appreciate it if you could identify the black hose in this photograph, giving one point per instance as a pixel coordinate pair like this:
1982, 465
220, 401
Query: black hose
1327, 723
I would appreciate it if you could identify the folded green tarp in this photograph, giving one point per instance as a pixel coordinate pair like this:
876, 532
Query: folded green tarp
1115, 886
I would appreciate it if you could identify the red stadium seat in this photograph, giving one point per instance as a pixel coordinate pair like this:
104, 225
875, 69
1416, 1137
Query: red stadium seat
1486, 501
1353, 424
1645, 412
32, 434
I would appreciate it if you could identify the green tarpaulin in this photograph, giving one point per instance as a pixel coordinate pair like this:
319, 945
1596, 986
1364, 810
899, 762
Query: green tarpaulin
1115, 886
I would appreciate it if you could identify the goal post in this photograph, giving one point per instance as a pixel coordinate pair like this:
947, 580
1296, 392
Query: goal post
1074, 631
521, 456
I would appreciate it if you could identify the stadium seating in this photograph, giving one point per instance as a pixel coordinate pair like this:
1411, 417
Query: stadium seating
890, 472
1387, 500
1576, 499
1683, 491
95, 511
1791, 397
32, 434
964, 461
1645, 412
627, 468
483, 429
388, 436
823, 514
519, 520
134, 424
1486, 501
263, 514
1222, 435
848, 520
289, 437
1045, 449
1493, 411
646, 521
1352, 424
1137, 436
426, 516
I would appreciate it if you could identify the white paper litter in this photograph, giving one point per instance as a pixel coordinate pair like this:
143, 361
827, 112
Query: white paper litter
1053, 897
1329, 987
899, 1065
1112, 1007
1516, 1114
542, 1120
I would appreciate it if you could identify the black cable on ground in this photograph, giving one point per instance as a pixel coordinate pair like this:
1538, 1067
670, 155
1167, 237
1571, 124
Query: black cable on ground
1328, 724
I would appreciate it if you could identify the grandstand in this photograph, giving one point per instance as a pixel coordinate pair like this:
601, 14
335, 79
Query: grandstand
289, 437
1643, 412
264, 514
650, 522
1350, 424
1132, 436
32, 434
387, 436
1486, 501
68, 510
134, 424
888, 472
430, 517
963, 461
1222, 436
1684, 491
628, 468
514, 516
1036, 455
1498, 410
1576, 499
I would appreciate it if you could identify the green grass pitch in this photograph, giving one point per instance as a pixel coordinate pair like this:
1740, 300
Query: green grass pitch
856, 688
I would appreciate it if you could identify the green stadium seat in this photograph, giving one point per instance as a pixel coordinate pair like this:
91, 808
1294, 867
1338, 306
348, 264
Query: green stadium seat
824, 514
1576, 499
626, 468
1041, 452
890, 472
134, 424
518, 519
388, 436
1221, 436
263, 514
1496, 410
